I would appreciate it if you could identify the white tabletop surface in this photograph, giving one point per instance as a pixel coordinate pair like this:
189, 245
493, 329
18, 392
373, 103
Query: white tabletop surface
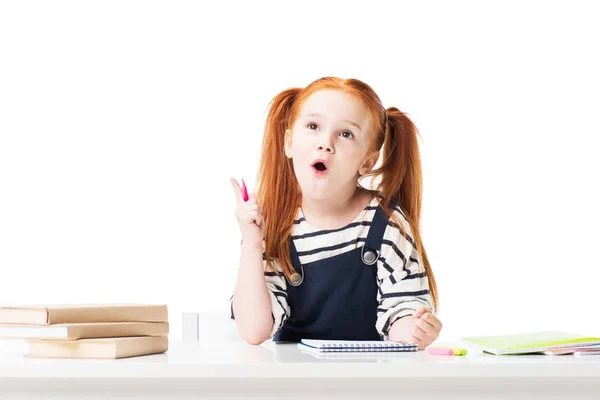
236, 359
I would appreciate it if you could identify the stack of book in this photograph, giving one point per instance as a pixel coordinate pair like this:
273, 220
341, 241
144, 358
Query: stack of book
87, 331
546, 342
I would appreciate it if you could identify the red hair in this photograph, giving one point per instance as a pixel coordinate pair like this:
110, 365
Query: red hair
400, 176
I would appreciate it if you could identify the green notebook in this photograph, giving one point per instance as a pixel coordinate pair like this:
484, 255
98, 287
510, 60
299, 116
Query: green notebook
529, 342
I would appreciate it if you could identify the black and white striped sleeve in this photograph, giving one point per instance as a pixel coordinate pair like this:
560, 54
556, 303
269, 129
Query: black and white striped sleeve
403, 284
276, 285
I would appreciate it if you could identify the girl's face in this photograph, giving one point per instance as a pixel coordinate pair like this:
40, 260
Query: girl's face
330, 144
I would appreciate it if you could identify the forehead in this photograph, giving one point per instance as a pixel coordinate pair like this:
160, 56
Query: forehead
336, 105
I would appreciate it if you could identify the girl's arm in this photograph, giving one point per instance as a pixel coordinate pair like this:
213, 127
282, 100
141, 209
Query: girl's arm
251, 299
404, 297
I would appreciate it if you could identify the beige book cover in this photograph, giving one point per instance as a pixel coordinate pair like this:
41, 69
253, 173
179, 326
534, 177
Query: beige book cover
82, 313
98, 348
85, 330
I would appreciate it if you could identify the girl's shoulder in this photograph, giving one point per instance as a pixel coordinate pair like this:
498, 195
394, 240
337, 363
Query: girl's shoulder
398, 224
396, 211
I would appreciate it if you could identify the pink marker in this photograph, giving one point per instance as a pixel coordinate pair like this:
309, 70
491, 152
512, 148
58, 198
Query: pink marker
440, 351
244, 191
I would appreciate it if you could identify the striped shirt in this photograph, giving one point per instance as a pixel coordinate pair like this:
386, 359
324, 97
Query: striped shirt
403, 285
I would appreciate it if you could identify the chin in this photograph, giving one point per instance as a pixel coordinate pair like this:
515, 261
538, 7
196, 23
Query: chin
318, 192
318, 196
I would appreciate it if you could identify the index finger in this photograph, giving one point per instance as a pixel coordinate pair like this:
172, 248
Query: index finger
237, 189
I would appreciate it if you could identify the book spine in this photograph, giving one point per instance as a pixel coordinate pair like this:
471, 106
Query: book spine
143, 346
87, 331
108, 314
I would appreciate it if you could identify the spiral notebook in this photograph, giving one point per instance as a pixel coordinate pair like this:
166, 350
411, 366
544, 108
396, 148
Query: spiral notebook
353, 345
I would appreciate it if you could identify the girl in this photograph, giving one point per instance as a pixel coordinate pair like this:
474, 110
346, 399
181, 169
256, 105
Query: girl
322, 257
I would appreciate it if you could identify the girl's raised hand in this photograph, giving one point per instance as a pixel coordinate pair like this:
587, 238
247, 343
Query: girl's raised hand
249, 216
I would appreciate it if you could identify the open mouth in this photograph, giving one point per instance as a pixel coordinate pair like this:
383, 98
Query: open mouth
320, 167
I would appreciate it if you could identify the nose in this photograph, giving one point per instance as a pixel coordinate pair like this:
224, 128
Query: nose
326, 148
325, 144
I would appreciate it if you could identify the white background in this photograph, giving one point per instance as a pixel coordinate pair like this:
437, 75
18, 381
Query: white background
121, 122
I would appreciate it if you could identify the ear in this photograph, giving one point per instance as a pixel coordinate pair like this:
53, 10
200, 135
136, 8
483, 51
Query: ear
369, 163
288, 143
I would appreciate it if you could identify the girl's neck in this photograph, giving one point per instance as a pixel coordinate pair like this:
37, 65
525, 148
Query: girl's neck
335, 212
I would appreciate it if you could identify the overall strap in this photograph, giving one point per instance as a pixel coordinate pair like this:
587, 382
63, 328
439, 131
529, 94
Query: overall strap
376, 231
294, 256
297, 277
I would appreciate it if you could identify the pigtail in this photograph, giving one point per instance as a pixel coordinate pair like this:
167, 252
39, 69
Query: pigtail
401, 179
278, 190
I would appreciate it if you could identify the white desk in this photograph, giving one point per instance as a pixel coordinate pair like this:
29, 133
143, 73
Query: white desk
237, 370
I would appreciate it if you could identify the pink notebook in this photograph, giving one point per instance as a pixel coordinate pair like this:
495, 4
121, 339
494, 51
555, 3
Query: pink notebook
572, 350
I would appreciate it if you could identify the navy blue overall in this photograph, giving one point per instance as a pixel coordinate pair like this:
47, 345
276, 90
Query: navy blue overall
338, 297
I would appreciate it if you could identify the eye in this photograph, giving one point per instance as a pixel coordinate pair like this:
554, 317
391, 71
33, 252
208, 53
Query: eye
347, 134
311, 124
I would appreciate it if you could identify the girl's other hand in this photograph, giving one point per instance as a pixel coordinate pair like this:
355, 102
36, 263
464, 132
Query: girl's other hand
421, 328
427, 327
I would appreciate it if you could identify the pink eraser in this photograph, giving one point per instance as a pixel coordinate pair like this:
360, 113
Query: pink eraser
244, 191
440, 351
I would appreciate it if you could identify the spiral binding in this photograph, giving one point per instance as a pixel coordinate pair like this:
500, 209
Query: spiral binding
368, 347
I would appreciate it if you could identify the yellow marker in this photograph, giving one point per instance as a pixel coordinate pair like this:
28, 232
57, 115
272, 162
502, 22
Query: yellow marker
456, 351
459, 352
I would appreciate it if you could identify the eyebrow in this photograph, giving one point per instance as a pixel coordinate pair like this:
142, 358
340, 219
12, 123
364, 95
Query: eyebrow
346, 120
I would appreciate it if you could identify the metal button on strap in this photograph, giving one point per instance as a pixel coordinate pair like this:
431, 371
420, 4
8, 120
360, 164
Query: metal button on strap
369, 256
297, 278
